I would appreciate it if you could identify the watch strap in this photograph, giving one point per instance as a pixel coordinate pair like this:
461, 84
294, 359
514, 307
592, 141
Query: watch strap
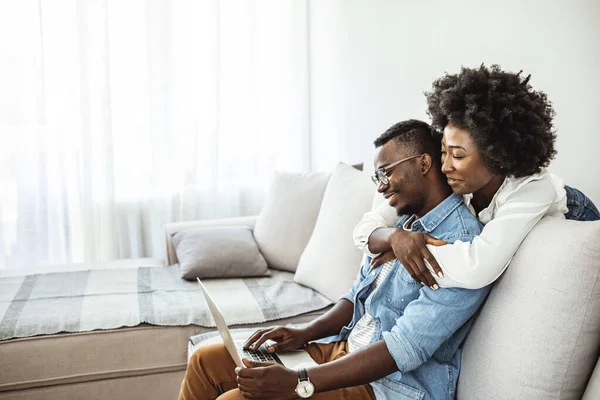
302, 374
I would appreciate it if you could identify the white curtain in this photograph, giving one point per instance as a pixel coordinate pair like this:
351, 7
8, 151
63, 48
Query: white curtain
117, 116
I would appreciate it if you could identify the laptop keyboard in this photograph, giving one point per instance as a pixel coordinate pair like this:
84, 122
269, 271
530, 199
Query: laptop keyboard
259, 355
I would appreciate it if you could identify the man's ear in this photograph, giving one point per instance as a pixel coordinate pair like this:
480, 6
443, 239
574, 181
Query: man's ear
426, 163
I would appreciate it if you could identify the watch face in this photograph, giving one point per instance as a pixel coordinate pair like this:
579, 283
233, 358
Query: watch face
305, 389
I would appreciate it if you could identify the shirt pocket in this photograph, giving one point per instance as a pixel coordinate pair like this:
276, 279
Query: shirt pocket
404, 289
399, 390
404, 276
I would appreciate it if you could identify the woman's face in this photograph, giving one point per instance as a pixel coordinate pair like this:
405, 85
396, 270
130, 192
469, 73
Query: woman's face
462, 163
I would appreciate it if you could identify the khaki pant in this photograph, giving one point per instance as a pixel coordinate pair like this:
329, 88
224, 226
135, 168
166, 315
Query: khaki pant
210, 374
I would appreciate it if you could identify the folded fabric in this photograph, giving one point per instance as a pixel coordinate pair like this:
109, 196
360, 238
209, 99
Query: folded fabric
218, 252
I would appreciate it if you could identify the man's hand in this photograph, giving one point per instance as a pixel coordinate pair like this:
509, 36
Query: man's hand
287, 338
266, 381
410, 248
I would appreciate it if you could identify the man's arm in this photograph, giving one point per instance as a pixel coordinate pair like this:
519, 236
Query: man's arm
328, 324
418, 334
274, 381
365, 365
410, 343
340, 315
288, 338
331, 322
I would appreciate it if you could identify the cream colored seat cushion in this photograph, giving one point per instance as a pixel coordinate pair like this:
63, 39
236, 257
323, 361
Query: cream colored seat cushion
538, 334
71, 358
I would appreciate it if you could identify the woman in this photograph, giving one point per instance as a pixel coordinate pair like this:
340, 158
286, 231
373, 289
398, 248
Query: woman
498, 138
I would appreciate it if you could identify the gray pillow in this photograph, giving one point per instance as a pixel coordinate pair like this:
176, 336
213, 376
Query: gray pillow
218, 252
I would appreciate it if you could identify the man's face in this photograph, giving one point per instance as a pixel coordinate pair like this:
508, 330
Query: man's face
405, 192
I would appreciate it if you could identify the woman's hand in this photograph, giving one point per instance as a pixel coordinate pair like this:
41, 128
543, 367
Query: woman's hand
411, 250
384, 257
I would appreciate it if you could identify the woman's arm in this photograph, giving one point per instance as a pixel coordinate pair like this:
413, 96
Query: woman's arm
375, 236
477, 264
384, 216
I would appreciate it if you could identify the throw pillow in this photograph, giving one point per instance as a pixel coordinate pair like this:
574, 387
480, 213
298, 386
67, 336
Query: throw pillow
330, 262
287, 220
538, 334
218, 252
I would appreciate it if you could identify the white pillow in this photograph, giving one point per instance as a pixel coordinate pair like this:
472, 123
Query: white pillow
330, 262
288, 218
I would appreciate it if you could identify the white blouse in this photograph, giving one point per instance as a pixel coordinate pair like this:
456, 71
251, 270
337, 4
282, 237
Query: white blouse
516, 207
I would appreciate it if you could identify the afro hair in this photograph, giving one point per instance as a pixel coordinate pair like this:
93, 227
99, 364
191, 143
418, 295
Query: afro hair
510, 123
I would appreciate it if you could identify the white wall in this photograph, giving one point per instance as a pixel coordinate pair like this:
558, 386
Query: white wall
371, 60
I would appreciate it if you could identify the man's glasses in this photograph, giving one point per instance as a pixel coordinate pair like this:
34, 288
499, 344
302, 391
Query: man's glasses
382, 174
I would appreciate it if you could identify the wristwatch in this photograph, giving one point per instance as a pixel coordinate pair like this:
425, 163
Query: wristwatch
304, 389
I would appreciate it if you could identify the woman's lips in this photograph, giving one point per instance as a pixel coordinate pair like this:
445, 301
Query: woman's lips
453, 182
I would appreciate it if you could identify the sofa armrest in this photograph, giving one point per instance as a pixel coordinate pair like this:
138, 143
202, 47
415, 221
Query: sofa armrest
170, 229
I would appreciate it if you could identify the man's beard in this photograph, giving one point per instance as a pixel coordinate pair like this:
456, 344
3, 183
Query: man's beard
410, 209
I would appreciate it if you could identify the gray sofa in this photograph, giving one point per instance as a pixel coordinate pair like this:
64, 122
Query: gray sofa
536, 337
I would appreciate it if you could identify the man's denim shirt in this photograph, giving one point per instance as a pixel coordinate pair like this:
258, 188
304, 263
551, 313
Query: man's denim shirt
422, 328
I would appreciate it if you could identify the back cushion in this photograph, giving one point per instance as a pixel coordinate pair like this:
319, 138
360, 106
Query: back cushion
592, 391
287, 220
330, 262
538, 334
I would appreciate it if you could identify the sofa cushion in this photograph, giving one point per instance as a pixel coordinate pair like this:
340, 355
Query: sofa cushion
71, 359
288, 217
538, 335
330, 262
218, 252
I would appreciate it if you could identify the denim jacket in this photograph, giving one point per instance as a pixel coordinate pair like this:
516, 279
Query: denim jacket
422, 328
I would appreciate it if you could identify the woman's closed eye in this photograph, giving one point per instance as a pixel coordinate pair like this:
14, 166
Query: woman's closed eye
453, 155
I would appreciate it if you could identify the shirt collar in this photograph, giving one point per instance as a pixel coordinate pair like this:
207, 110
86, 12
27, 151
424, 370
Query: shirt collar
439, 213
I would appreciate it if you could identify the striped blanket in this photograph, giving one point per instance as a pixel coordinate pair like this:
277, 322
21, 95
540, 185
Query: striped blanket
80, 301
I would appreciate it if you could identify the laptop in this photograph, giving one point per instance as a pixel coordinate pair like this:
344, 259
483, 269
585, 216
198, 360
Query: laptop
291, 359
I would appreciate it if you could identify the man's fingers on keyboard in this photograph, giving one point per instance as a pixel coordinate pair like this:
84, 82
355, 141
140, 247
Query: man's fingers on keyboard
283, 346
259, 356
253, 338
263, 338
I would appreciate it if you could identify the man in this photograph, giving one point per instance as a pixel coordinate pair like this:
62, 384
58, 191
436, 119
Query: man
394, 338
